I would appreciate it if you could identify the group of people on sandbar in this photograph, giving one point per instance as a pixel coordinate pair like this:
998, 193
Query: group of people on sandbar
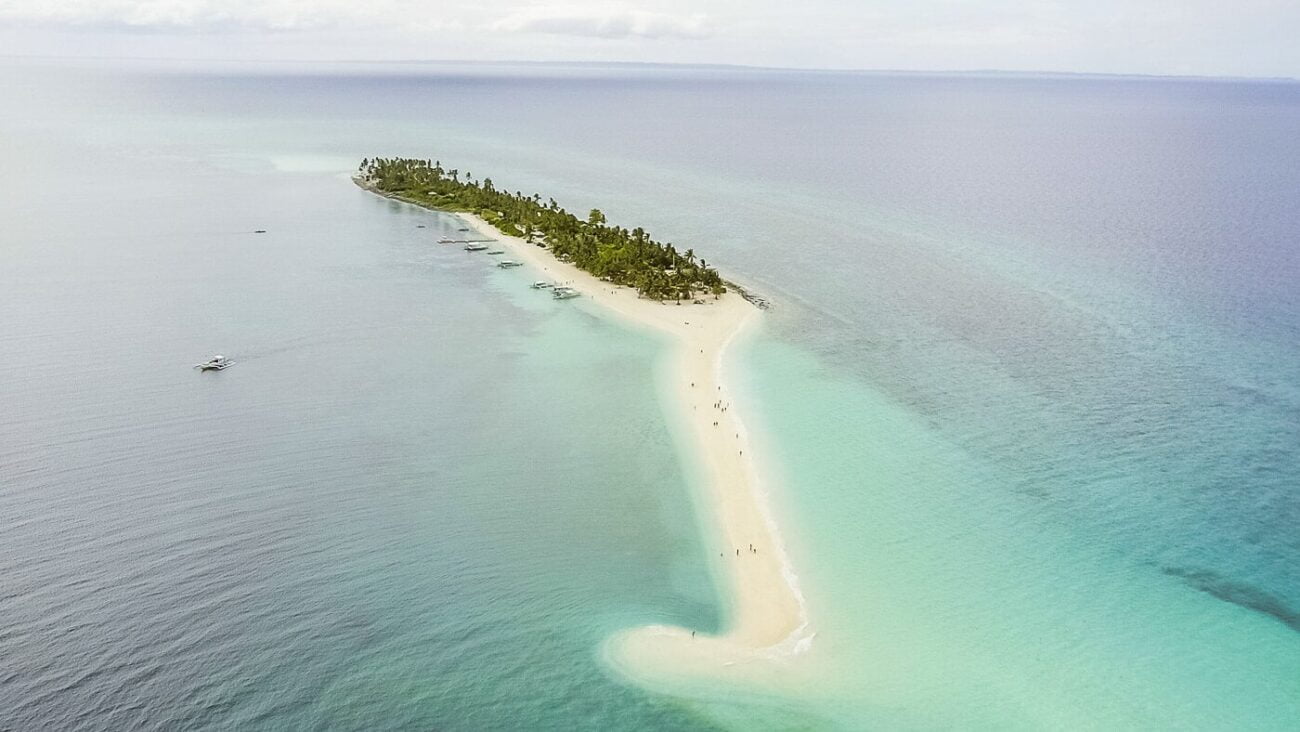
721, 406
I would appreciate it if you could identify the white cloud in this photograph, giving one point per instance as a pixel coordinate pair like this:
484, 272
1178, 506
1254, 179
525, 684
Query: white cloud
305, 15
604, 23
1246, 37
274, 15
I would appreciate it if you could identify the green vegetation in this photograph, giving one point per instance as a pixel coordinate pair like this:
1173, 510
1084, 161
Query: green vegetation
611, 253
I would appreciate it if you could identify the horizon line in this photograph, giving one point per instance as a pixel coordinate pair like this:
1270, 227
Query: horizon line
673, 64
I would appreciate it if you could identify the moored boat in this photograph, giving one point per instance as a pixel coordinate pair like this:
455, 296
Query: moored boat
475, 247
508, 263
216, 363
565, 293
540, 285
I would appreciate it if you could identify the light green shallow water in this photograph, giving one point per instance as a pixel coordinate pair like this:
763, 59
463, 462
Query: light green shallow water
940, 601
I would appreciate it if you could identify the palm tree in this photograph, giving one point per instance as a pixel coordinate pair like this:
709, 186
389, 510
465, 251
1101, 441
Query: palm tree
628, 257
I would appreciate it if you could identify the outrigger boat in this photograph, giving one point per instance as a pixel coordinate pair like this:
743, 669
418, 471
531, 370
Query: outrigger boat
508, 263
497, 251
565, 293
540, 285
475, 247
446, 240
217, 363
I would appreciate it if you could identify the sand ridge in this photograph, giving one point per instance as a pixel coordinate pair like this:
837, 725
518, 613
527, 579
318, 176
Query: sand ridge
767, 617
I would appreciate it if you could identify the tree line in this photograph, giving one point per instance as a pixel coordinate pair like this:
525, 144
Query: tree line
612, 253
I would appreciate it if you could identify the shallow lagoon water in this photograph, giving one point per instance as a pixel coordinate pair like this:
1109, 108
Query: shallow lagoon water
1028, 395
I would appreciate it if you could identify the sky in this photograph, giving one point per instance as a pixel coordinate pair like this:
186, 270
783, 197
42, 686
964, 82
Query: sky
1181, 37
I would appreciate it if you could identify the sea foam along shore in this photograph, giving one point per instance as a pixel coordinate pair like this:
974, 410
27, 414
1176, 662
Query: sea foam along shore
767, 617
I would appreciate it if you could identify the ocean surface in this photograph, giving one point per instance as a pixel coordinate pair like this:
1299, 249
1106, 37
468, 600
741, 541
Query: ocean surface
1028, 399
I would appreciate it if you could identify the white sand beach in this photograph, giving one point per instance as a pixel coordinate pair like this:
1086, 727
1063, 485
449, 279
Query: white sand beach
767, 617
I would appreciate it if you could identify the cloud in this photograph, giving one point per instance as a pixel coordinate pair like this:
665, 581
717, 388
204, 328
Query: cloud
1245, 37
596, 23
270, 15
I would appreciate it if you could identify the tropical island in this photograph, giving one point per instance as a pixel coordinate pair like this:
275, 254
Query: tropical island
766, 622
611, 253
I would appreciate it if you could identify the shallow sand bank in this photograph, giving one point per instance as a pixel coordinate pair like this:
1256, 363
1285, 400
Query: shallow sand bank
766, 618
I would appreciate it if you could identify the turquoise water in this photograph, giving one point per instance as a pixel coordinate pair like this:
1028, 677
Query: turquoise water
1029, 391
941, 601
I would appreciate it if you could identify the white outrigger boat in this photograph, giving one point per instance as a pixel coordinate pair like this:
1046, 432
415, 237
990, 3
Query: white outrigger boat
496, 251
565, 293
508, 263
475, 247
216, 363
540, 285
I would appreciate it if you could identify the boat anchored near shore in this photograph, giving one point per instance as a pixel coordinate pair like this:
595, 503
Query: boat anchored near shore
216, 363
565, 293
475, 247
508, 263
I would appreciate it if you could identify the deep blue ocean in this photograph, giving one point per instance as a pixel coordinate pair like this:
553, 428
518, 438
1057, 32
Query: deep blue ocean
1029, 393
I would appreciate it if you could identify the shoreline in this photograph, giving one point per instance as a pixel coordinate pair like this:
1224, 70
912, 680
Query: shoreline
765, 616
